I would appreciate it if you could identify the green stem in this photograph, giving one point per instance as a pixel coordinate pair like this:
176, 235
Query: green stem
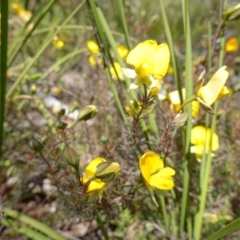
3, 65
184, 215
101, 226
164, 211
168, 33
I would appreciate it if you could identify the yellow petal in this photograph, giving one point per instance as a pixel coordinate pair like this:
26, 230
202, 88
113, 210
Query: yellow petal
96, 186
92, 47
198, 150
117, 69
91, 168
175, 98
163, 180
200, 136
224, 91
160, 60
123, 51
210, 92
232, 45
141, 52
149, 164
92, 60
195, 108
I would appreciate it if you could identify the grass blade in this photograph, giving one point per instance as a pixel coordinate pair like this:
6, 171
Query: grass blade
33, 223
13, 54
230, 228
39, 53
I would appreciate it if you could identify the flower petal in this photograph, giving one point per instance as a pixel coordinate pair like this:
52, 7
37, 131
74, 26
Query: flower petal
159, 60
200, 137
141, 52
130, 73
96, 186
163, 180
91, 168
150, 163
210, 92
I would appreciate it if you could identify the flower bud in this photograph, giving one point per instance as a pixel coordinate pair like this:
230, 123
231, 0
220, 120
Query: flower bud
62, 125
86, 113
36, 144
70, 156
232, 13
107, 171
104, 139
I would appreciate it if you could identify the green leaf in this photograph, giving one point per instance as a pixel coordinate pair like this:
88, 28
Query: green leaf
230, 228
70, 156
24, 219
26, 231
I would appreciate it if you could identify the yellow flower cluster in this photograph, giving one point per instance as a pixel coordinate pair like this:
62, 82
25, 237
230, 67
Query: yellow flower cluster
99, 173
115, 70
21, 12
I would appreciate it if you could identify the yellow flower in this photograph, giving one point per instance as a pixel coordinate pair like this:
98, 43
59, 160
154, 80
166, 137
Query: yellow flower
92, 60
123, 51
201, 139
232, 45
150, 62
214, 89
118, 69
94, 52
96, 185
93, 47
175, 100
58, 43
154, 173
22, 13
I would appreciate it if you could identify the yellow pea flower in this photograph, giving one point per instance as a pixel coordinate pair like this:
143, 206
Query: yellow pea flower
58, 43
174, 98
96, 185
150, 62
155, 175
200, 138
232, 45
214, 89
123, 51
92, 60
118, 69
93, 47
21, 12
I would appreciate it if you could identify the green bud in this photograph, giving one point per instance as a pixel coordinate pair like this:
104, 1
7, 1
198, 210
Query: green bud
61, 113
62, 125
107, 171
86, 113
36, 144
104, 139
33, 89
70, 156
232, 13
